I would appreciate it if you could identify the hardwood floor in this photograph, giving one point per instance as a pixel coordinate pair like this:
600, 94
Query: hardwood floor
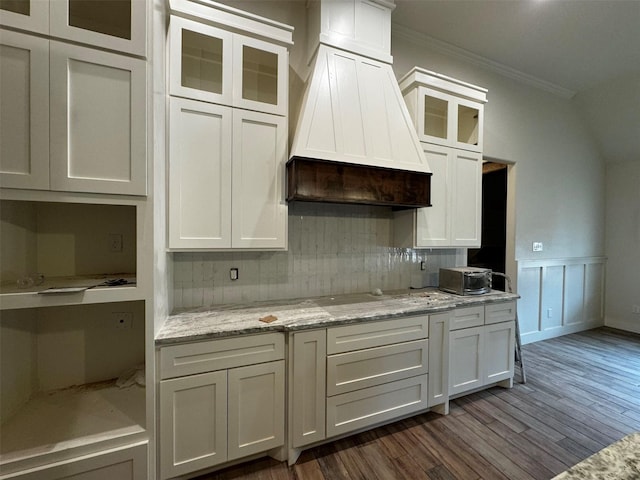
582, 394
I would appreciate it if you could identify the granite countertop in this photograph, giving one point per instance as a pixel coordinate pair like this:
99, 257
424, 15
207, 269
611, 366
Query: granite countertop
299, 314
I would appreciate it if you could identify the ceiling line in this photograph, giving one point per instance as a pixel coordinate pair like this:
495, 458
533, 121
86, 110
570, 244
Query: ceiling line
451, 50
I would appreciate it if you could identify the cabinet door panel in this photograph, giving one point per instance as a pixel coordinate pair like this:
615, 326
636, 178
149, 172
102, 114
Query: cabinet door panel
438, 358
465, 360
199, 175
31, 15
467, 317
24, 116
466, 200
500, 312
98, 121
260, 76
436, 117
114, 24
307, 387
256, 409
200, 61
193, 423
499, 351
259, 209
432, 223
351, 371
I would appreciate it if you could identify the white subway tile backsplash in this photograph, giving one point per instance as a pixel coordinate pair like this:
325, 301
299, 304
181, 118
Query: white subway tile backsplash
333, 249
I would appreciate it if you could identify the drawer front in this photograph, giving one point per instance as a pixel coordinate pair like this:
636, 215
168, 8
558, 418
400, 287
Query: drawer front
499, 312
467, 317
200, 357
367, 407
375, 334
351, 371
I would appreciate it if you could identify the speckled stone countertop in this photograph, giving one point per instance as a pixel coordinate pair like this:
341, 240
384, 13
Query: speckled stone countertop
299, 314
619, 461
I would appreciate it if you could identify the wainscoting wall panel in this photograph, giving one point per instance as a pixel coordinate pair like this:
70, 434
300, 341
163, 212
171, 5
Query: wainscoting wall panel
560, 296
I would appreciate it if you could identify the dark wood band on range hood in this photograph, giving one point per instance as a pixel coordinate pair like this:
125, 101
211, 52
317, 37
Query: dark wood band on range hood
313, 180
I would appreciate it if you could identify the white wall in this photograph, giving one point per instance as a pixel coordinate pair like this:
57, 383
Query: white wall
623, 245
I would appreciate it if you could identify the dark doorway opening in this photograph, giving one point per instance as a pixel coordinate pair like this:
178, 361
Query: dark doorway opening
492, 252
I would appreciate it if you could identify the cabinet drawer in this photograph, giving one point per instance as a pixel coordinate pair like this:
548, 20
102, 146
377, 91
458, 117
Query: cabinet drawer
467, 317
351, 371
500, 312
367, 407
376, 334
199, 357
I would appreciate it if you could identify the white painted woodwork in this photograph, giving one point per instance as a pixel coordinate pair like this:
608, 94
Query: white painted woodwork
256, 409
560, 296
258, 206
124, 463
200, 61
307, 386
499, 351
374, 334
31, 15
447, 127
102, 25
213, 64
467, 317
455, 216
438, 358
200, 142
193, 423
499, 312
351, 371
369, 406
24, 116
359, 26
466, 351
199, 357
346, 117
98, 121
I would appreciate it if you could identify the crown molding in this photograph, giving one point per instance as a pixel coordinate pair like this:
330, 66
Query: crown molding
445, 48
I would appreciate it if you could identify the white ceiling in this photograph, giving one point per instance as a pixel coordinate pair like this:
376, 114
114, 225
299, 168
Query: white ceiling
574, 44
586, 48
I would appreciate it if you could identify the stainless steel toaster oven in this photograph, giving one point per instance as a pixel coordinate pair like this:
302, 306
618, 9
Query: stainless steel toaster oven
465, 280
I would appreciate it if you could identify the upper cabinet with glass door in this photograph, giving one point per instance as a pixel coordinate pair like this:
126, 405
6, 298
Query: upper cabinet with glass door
445, 111
118, 25
210, 63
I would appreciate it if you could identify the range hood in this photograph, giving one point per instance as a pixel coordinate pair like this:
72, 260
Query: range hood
355, 141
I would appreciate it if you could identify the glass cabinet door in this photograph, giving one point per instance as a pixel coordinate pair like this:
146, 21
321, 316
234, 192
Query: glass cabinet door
31, 15
469, 126
200, 62
437, 123
260, 76
114, 24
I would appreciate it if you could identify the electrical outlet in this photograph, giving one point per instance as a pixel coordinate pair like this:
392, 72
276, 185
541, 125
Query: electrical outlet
537, 246
549, 313
122, 320
234, 273
635, 309
115, 242
423, 265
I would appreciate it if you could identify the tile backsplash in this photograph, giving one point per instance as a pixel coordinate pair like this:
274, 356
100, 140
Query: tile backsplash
333, 249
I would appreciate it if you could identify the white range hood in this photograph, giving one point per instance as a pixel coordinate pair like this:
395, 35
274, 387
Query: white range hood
353, 111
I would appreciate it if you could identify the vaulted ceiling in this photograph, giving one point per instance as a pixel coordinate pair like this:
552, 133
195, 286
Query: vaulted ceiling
588, 50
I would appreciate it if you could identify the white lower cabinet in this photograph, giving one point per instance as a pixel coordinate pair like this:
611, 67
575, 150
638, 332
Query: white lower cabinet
207, 419
439, 360
126, 463
481, 347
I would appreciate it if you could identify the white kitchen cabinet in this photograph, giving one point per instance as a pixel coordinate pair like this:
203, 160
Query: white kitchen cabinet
129, 463
307, 386
439, 361
455, 217
75, 118
24, 116
220, 400
445, 111
212, 64
226, 177
481, 347
116, 25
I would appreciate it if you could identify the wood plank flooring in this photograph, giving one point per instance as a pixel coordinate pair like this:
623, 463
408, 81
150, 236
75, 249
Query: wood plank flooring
582, 394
